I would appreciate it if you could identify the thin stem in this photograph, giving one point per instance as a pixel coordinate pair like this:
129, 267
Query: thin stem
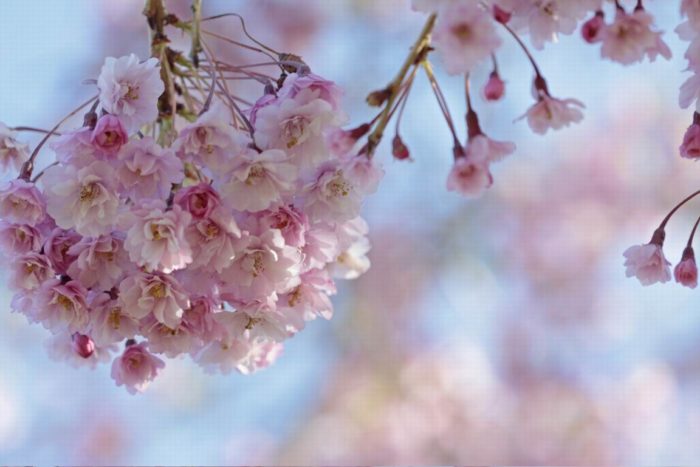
673, 211
525, 49
38, 176
473, 127
245, 31
692, 233
239, 44
401, 104
28, 166
196, 34
495, 63
37, 130
442, 102
207, 103
395, 86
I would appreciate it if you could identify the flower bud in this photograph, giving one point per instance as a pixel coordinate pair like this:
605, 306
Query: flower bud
690, 149
399, 149
686, 272
591, 29
501, 15
377, 98
495, 88
83, 345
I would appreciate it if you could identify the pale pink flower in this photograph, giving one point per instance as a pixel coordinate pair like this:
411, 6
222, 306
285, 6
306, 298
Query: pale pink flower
211, 138
19, 239
495, 88
311, 298
22, 203
258, 320
82, 199
630, 37
200, 318
552, 113
495, 150
170, 342
109, 135
255, 182
352, 262
298, 126
333, 195
130, 90
62, 306
148, 170
109, 321
213, 240
470, 174
321, 246
464, 36
156, 238
154, 294
364, 172
690, 149
57, 247
290, 221
136, 368
75, 147
689, 92
686, 272
29, 271
647, 262
263, 266
100, 261
199, 200
320, 88
12, 152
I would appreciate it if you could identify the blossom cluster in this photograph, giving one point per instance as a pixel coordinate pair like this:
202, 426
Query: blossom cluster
219, 246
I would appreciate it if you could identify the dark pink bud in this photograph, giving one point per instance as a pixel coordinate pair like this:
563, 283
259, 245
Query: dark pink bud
83, 345
501, 15
109, 134
495, 88
591, 28
686, 272
399, 149
690, 149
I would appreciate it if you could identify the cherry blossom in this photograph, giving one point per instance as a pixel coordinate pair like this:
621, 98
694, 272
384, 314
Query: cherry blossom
552, 113
147, 170
109, 135
686, 271
12, 152
136, 368
648, 263
22, 203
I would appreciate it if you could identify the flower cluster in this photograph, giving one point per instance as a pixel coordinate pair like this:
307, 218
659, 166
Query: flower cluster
220, 245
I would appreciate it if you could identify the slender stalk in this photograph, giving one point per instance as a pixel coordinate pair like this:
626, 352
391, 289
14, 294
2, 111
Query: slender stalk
442, 102
36, 130
395, 86
692, 233
525, 49
673, 211
196, 32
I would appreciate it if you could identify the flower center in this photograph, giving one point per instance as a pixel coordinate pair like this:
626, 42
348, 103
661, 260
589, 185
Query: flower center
339, 186
132, 92
463, 32
293, 130
255, 174
89, 192
65, 302
157, 290
115, 318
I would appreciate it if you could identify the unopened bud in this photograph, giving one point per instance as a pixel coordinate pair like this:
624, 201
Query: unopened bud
399, 149
377, 98
83, 345
501, 15
494, 88
590, 31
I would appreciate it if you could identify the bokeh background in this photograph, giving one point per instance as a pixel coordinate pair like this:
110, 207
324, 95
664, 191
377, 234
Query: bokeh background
497, 331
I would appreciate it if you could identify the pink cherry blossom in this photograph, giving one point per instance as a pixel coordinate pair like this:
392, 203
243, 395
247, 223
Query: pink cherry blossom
130, 90
12, 152
109, 321
156, 238
297, 125
263, 266
290, 221
75, 147
64, 346
552, 113
213, 240
19, 239
464, 36
690, 149
630, 37
470, 174
648, 263
109, 135
199, 200
156, 294
333, 194
495, 88
136, 368
211, 138
22, 203
82, 199
62, 306
100, 261
320, 88
365, 173
29, 271
57, 249
148, 170
257, 181
311, 298
321, 246
686, 272
352, 262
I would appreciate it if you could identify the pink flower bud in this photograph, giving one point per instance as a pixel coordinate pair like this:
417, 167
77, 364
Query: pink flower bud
399, 149
83, 345
501, 15
495, 88
591, 29
686, 272
690, 149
